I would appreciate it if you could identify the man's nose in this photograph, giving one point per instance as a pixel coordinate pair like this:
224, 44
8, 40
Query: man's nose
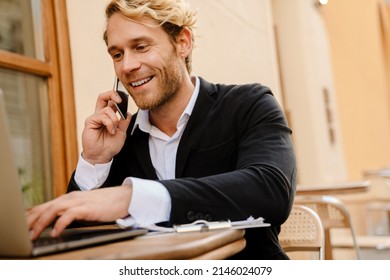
130, 63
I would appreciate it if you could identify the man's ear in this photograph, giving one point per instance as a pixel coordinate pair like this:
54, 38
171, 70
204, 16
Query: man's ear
184, 43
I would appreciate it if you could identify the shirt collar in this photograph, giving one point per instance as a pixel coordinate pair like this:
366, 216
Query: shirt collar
142, 120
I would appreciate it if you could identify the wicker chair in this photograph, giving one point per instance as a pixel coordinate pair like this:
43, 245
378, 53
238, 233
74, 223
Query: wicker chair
303, 231
333, 214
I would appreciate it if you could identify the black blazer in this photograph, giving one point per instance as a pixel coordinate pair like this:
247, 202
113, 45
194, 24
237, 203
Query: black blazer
235, 160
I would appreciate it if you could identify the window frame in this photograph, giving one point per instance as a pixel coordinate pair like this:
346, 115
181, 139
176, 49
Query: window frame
57, 69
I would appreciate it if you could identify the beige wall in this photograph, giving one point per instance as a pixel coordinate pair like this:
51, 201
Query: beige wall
235, 44
306, 76
360, 81
92, 67
359, 74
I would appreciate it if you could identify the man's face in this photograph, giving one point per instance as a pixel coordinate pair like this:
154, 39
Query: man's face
145, 60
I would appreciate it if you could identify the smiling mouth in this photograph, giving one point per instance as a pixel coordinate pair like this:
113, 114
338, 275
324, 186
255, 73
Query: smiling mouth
141, 82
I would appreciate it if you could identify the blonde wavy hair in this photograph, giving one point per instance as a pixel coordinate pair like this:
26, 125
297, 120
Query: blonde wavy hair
172, 15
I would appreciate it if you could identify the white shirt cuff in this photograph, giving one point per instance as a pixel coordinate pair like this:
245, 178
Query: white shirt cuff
89, 176
150, 201
127, 222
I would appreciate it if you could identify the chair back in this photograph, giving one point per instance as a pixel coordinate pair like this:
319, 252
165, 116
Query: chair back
333, 214
303, 231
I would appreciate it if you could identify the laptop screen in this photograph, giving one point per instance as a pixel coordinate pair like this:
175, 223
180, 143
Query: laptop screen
14, 235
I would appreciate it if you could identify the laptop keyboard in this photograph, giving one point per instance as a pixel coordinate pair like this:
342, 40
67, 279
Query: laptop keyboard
46, 241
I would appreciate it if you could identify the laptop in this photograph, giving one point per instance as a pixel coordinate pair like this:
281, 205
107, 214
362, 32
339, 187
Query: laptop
14, 233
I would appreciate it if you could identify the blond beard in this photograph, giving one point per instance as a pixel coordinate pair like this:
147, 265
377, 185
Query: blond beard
169, 84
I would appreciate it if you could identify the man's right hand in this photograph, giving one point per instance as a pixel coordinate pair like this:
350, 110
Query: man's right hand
101, 205
104, 133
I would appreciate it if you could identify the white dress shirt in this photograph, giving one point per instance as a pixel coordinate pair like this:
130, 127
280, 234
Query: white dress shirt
150, 202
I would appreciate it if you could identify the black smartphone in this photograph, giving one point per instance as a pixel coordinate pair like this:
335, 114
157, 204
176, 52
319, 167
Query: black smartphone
121, 107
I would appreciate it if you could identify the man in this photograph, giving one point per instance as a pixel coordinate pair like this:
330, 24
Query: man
195, 150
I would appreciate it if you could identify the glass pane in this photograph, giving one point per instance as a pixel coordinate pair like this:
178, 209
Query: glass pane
28, 119
21, 27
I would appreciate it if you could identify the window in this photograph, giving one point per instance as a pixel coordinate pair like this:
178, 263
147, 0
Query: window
36, 79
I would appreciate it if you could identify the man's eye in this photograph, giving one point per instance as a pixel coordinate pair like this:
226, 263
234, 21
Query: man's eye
142, 48
116, 56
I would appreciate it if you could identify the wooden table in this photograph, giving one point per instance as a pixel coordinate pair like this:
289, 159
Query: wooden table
334, 188
216, 244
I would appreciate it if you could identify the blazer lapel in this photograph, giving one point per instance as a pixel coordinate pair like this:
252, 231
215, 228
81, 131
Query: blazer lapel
196, 126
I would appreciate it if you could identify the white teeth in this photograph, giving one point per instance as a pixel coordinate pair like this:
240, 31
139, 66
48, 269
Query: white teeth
141, 82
